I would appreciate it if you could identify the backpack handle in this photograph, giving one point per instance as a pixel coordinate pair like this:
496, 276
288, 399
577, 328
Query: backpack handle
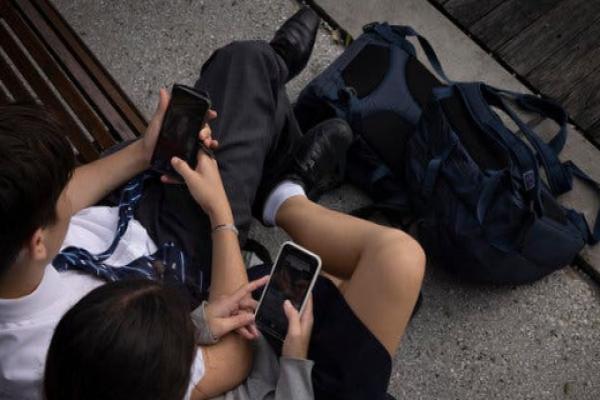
394, 33
488, 121
560, 175
592, 236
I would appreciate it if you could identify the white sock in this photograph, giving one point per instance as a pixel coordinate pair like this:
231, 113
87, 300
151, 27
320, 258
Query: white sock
277, 197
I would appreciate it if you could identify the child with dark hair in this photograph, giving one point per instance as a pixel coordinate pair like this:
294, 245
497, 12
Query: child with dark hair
341, 351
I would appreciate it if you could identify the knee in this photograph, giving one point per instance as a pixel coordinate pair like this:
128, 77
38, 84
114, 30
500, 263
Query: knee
402, 260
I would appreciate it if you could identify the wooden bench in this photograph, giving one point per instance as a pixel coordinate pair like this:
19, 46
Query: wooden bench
42, 59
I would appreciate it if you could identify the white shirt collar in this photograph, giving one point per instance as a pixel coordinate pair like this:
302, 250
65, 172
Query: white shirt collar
44, 296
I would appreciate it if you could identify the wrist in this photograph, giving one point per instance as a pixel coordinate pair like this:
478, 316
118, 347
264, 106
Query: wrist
221, 216
140, 154
202, 320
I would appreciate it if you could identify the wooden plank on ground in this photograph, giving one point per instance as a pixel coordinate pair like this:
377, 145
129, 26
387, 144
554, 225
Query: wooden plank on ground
13, 83
508, 19
77, 73
111, 88
43, 90
583, 101
548, 34
468, 12
58, 78
594, 132
559, 74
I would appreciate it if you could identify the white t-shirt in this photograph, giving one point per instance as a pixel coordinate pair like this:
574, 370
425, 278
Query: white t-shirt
27, 323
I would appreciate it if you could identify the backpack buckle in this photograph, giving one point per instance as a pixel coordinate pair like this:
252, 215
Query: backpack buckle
369, 27
528, 180
347, 93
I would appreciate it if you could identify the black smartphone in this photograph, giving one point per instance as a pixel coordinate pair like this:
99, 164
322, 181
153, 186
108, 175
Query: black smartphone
178, 135
292, 278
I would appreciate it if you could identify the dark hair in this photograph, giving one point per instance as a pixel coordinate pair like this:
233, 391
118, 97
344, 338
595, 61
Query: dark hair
36, 163
132, 339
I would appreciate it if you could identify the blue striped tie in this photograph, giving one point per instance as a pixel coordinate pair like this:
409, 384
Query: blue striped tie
167, 264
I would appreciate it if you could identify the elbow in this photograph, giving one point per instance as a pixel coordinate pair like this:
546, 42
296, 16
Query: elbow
244, 352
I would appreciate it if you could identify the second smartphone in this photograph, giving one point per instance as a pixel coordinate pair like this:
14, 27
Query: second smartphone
292, 278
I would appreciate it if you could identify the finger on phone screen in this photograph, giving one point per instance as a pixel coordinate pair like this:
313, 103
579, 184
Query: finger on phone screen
249, 303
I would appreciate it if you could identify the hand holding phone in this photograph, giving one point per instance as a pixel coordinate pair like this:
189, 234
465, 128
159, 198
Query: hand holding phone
300, 326
178, 137
292, 278
206, 187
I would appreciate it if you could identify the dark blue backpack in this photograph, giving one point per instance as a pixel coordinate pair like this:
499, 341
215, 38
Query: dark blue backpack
379, 86
440, 154
483, 209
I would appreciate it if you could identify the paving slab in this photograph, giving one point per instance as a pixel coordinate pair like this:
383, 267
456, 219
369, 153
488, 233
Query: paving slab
537, 341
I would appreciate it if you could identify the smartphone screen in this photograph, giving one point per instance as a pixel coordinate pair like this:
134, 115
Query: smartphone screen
292, 278
178, 135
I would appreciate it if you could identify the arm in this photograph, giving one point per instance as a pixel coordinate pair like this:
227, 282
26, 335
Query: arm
91, 182
228, 269
225, 368
295, 380
229, 361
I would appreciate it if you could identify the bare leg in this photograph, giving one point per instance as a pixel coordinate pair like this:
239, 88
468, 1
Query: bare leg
381, 268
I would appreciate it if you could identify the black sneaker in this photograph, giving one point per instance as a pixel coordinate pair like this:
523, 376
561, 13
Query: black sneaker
318, 163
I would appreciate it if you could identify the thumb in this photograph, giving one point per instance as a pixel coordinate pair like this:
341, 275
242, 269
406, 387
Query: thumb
163, 100
182, 168
159, 113
226, 325
292, 315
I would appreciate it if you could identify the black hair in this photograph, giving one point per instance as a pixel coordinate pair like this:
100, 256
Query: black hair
132, 339
36, 163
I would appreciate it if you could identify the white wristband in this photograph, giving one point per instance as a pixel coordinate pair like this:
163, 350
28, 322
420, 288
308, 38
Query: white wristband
223, 227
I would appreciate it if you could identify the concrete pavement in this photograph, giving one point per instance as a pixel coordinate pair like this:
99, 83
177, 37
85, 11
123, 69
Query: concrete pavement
538, 341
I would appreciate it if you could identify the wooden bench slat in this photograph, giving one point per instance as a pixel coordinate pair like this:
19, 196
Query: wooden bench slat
60, 81
47, 96
77, 73
107, 83
4, 99
13, 83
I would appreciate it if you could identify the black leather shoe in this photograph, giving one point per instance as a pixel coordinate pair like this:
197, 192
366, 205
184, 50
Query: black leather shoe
318, 163
320, 160
295, 39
